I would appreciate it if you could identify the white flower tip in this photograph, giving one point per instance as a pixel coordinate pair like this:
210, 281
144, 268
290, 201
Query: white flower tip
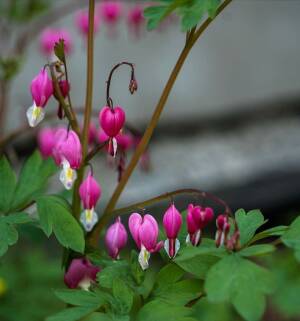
35, 115
167, 248
144, 257
88, 219
85, 284
67, 175
115, 146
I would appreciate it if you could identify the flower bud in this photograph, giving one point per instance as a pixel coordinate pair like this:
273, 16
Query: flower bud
110, 11
51, 36
136, 20
223, 228
133, 86
172, 222
41, 90
46, 141
64, 87
144, 231
81, 274
116, 238
67, 152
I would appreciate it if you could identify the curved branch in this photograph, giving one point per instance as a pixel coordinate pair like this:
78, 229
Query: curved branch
93, 236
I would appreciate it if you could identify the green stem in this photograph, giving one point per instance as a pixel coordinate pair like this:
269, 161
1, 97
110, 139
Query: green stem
88, 108
170, 195
191, 40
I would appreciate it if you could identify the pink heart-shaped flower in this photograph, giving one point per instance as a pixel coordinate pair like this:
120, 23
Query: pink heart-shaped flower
112, 120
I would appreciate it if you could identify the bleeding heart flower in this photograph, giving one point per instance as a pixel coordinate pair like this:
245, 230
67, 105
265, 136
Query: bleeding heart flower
197, 218
82, 22
46, 141
81, 274
172, 222
67, 152
144, 231
116, 238
136, 20
112, 120
90, 192
41, 90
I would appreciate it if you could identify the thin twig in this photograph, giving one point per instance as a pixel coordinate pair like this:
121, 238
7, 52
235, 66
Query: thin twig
150, 129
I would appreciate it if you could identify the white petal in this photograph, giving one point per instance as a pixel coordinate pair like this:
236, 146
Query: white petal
188, 239
115, 146
177, 247
67, 175
198, 236
144, 257
85, 284
88, 218
35, 115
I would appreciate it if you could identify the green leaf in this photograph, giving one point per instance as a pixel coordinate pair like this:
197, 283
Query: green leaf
274, 231
155, 14
8, 235
98, 316
136, 270
123, 296
160, 311
256, 250
33, 178
59, 50
198, 260
291, 237
169, 274
179, 293
7, 185
248, 223
228, 279
79, 298
118, 269
55, 216
18, 218
72, 314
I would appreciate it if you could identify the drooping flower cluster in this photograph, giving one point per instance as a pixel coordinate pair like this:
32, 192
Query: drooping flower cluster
90, 192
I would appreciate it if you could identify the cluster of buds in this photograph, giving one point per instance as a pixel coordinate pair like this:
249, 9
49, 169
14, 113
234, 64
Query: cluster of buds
197, 218
223, 232
90, 192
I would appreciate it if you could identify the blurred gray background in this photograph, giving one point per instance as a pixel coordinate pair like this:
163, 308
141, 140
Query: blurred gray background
231, 124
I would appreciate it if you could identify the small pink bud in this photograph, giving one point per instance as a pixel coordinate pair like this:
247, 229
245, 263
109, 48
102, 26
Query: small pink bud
136, 20
110, 11
90, 192
46, 141
92, 133
112, 120
64, 87
124, 140
41, 88
192, 223
50, 36
68, 147
116, 238
81, 274
172, 221
82, 22
102, 137
223, 228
